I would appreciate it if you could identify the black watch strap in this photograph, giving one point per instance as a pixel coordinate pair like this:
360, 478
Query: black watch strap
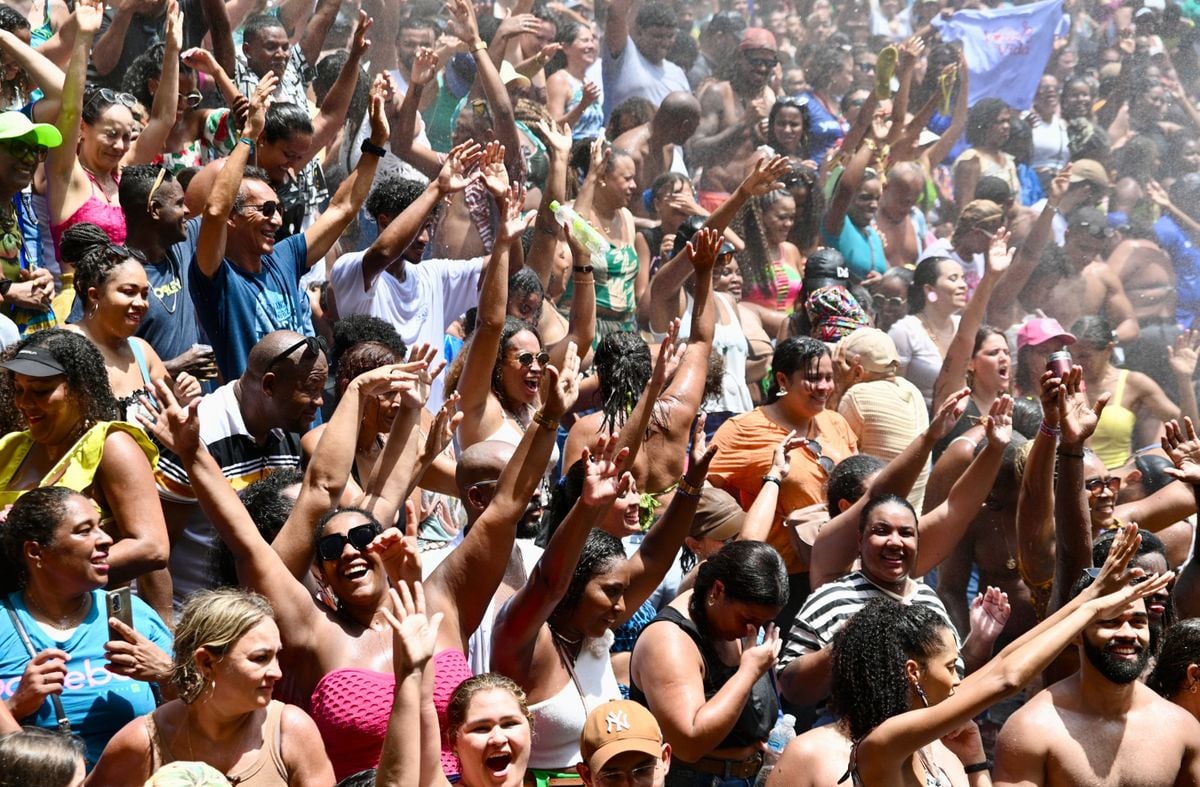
5, 286
370, 147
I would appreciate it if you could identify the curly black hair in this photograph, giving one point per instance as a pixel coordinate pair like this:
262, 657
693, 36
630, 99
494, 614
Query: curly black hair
268, 508
848, 478
823, 65
363, 357
981, 117
87, 379
93, 270
869, 655
623, 366
356, 328
392, 195
145, 67
1180, 650
512, 326
13, 20
34, 517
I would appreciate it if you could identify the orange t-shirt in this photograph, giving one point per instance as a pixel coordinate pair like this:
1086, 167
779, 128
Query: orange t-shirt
747, 445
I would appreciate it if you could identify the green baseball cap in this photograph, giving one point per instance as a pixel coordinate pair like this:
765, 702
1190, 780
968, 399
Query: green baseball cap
14, 125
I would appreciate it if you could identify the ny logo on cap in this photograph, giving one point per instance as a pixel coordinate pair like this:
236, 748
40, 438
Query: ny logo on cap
617, 721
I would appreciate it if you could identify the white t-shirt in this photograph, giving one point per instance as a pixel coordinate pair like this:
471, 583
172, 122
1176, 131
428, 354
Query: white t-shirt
630, 74
433, 294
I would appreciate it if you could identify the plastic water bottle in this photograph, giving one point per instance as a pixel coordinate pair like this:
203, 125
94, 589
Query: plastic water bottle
781, 735
587, 235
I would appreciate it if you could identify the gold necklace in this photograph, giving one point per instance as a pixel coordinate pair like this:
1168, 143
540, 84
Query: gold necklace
66, 621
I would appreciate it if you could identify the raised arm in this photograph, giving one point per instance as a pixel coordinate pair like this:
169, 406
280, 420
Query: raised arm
259, 567
317, 26
616, 26
214, 223
654, 557
882, 753
464, 584
153, 139
403, 230
1182, 445
1072, 515
958, 355
1030, 254
581, 320
958, 120
404, 119
221, 32
687, 387
540, 259
111, 43
44, 73
332, 115
845, 190
351, 195
61, 160
519, 622
1035, 503
487, 78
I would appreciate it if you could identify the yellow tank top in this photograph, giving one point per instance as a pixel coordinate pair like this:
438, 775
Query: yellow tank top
1113, 440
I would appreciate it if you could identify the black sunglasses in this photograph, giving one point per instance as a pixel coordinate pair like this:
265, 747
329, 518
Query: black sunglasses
25, 151
311, 344
330, 547
894, 301
767, 62
267, 209
527, 358
826, 463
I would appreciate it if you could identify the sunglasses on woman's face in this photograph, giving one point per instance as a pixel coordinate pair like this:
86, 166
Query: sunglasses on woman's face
527, 358
330, 547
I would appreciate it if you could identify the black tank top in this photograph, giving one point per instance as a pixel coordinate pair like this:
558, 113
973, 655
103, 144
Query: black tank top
762, 706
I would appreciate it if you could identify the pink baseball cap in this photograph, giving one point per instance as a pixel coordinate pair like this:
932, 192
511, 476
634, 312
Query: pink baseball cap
1040, 330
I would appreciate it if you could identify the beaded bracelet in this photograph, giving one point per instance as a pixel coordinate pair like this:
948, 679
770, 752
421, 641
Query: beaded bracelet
685, 488
1049, 431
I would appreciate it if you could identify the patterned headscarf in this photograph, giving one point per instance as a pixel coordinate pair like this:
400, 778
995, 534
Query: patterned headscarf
834, 314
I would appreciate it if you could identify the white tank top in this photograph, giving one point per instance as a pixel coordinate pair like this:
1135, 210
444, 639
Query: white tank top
559, 720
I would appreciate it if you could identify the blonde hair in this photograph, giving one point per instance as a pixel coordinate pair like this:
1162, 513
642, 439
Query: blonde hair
187, 774
214, 620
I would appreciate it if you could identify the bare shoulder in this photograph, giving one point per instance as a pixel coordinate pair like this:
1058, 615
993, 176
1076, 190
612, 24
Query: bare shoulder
818, 757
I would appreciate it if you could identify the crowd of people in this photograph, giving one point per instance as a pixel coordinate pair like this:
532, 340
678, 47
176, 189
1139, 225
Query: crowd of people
701, 393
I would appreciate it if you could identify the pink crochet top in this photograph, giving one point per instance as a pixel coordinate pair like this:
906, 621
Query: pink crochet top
96, 210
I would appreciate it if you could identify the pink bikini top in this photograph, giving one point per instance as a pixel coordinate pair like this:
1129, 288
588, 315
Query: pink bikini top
96, 210
351, 709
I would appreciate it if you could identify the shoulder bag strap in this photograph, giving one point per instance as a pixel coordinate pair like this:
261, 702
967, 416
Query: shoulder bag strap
64, 723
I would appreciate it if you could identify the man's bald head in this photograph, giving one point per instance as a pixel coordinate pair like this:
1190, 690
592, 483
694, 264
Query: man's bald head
481, 463
678, 116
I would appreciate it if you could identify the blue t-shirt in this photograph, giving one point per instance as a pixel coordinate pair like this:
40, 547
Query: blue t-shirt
97, 702
1185, 258
237, 308
863, 250
824, 129
170, 325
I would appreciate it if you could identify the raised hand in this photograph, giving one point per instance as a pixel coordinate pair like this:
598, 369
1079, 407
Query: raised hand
1182, 445
910, 52
989, 613
999, 421
1049, 397
173, 34
1000, 254
260, 99
766, 176
199, 59
591, 94
701, 453
514, 223
669, 353
424, 68
380, 130
88, 15
780, 463
1076, 418
176, 427
414, 634
516, 25
556, 136
453, 175
948, 414
560, 389
1158, 194
360, 43
399, 555
464, 17
600, 151
603, 481
495, 174
441, 432
1115, 573
702, 249
1059, 186
1183, 355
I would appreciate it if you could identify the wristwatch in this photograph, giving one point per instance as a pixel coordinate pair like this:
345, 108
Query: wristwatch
368, 146
5, 286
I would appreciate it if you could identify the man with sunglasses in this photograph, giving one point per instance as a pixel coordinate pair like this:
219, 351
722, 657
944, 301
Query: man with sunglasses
718, 45
244, 284
25, 286
252, 428
733, 113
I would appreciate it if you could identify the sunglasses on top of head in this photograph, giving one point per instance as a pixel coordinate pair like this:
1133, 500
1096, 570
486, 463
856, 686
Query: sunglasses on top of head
330, 547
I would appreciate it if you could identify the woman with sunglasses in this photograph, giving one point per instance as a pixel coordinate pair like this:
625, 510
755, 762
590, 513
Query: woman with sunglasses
1138, 407
699, 647
225, 669
61, 425
801, 383
81, 176
198, 135
110, 281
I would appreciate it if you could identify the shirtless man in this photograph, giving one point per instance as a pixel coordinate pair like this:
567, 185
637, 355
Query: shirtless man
900, 223
656, 147
1148, 277
731, 115
1083, 283
1101, 726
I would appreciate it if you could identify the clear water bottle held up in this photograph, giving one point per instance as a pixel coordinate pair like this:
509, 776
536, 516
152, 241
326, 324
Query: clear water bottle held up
583, 232
781, 735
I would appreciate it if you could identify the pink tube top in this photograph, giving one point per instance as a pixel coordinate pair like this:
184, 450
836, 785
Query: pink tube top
351, 709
